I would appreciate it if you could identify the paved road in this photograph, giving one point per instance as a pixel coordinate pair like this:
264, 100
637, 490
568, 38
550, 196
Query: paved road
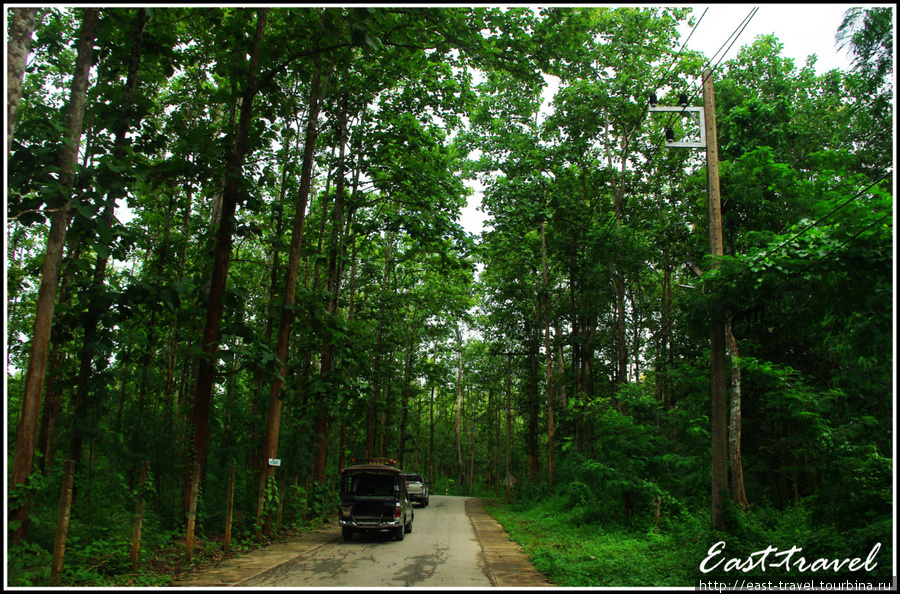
441, 551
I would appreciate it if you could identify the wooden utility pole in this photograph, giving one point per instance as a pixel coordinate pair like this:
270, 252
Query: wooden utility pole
718, 360
717, 347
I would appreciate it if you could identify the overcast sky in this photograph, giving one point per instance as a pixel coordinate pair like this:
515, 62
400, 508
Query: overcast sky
804, 29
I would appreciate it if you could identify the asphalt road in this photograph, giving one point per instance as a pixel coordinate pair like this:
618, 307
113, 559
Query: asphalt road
441, 551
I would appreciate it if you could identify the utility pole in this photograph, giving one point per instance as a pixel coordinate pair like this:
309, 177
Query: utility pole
718, 360
717, 347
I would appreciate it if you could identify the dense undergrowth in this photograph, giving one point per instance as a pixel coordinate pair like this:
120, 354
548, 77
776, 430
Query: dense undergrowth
100, 530
104, 563
578, 541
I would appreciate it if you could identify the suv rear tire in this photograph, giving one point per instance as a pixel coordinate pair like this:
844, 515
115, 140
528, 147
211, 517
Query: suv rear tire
399, 531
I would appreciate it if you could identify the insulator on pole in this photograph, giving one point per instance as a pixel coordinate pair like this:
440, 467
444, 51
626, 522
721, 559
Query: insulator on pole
670, 135
653, 101
682, 100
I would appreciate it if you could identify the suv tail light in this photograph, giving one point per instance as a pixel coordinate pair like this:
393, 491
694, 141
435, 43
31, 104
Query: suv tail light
397, 511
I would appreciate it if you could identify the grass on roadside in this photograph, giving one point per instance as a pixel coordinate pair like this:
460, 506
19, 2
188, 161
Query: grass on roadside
591, 555
577, 546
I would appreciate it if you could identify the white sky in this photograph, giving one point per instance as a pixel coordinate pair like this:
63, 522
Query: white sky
804, 29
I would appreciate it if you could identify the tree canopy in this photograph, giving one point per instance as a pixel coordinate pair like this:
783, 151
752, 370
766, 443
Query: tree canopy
254, 214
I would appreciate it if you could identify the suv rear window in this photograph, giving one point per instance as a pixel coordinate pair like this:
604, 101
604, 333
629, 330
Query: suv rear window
371, 485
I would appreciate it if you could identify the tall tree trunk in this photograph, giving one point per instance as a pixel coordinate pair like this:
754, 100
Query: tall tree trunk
59, 336
459, 374
618, 275
373, 401
18, 44
26, 432
430, 464
273, 422
621, 341
532, 441
206, 367
662, 356
407, 386
547, 352
333, 290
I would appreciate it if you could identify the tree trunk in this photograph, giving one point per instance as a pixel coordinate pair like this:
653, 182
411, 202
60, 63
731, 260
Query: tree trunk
373, 401
333, 290
547, 353
532, 441
18, 44
431, 435
52, 408
26, 432
459, 374
738, 492
273, 422
206, 368
404, 411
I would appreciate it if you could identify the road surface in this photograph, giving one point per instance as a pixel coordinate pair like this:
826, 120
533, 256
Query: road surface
441, 551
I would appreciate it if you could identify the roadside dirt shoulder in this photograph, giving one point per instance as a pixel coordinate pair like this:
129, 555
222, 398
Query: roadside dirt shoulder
231, 572
508, 565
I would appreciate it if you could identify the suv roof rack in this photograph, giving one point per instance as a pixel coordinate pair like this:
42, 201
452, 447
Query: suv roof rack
374, 461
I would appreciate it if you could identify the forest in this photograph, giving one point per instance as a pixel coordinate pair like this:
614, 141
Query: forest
235, 262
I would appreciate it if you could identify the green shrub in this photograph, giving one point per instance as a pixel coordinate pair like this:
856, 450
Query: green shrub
578, 494
28, 565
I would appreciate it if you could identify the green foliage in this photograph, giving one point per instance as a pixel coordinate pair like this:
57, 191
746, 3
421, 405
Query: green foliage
580, 554
321, 502
595, 242
856, 491
28, 565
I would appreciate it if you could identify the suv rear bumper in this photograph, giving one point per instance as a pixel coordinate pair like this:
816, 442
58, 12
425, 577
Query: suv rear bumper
369, 525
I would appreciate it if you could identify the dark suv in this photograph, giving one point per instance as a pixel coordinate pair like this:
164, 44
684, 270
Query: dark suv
374, 499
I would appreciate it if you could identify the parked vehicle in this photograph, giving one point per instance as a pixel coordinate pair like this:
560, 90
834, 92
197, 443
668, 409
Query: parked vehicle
374, 499
417, 487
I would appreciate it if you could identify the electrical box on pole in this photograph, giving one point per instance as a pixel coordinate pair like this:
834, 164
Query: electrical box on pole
689, 111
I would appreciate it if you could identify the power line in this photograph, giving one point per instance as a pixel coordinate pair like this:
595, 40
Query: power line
746, 22
816, 261
834, 210
852, 238
661, 79
683, 45
735, 35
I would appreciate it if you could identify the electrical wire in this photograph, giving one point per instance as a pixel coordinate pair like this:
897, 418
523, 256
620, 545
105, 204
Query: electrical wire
834, 210
733, 37
683, 45
681, 49
792, 275
745, 23
816, 261
646, 111
734, 34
